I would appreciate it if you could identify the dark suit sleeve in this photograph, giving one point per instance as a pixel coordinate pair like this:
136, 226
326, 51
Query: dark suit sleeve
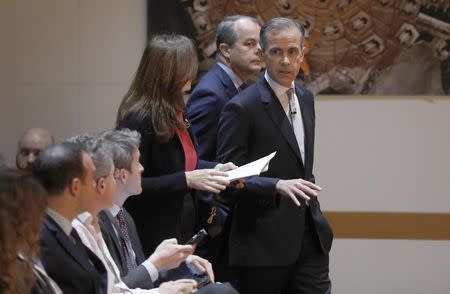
232, 145
162, 185
310, 96
138, 278
206, 164
203, 109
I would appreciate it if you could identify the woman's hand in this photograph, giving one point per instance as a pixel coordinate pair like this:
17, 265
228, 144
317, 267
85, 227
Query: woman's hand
225, 166
239, 184
208, 180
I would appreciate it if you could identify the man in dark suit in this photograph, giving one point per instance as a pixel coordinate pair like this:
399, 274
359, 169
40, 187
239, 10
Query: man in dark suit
238, 63
66, 172
279, 241
168, 256
120, 233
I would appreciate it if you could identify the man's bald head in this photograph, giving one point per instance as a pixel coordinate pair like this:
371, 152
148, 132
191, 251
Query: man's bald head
30, 144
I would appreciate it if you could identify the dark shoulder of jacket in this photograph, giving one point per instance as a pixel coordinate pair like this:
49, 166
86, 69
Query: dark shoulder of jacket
247, 97
304, 92
138, 121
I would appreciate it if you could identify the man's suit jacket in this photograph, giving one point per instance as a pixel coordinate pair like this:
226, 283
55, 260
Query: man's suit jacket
138, 277
267, 229
158, 211
75, 269
203, 108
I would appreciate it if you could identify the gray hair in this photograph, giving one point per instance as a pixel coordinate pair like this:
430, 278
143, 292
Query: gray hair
226, 31
279, 24
98, 149
123, 143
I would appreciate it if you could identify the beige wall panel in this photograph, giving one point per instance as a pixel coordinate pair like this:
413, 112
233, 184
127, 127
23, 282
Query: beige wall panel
390, 267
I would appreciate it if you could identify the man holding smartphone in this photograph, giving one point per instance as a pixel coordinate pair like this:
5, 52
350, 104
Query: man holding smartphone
119, 231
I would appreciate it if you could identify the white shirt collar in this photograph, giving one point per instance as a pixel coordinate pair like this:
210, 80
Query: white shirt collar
114, 210
85, 218
277, 88
63, 222
237, 82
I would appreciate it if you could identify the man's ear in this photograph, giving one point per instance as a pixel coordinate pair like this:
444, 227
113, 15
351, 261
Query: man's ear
304, 51
122, 176
75, 187
225, 50
101, 185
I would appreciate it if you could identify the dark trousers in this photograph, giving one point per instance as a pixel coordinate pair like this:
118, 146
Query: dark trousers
308, 275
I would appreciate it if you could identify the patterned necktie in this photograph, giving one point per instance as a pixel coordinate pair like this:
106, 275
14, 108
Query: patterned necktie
295, 117
125, 240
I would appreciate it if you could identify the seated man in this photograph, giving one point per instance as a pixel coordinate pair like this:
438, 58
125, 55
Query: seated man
30, 144
87, 225
119, 230
66, 172
167, 255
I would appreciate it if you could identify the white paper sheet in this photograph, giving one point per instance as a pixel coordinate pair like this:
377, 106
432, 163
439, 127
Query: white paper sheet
251, 169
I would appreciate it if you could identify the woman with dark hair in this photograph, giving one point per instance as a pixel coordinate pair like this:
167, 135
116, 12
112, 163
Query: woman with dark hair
154, 106
22, 208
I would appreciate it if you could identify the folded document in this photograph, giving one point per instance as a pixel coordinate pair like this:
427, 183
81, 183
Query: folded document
251, 169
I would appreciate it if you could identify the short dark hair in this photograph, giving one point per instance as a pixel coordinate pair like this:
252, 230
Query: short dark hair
226, 31
278, 24
58, 165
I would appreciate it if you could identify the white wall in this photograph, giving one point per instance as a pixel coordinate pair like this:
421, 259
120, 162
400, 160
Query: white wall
385, 154
65, 64
390, 267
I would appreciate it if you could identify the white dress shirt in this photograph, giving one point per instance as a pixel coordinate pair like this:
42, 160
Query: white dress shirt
93, 239
292, 109
237, 82
62, 222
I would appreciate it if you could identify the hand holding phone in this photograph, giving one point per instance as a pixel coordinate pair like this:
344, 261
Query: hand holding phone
197, 238
203, 281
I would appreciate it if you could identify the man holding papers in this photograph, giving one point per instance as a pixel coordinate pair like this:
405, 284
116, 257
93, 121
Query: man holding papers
279, 240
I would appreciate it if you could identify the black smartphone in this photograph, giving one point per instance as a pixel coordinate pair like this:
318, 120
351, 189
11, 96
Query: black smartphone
197, 238
203, 281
